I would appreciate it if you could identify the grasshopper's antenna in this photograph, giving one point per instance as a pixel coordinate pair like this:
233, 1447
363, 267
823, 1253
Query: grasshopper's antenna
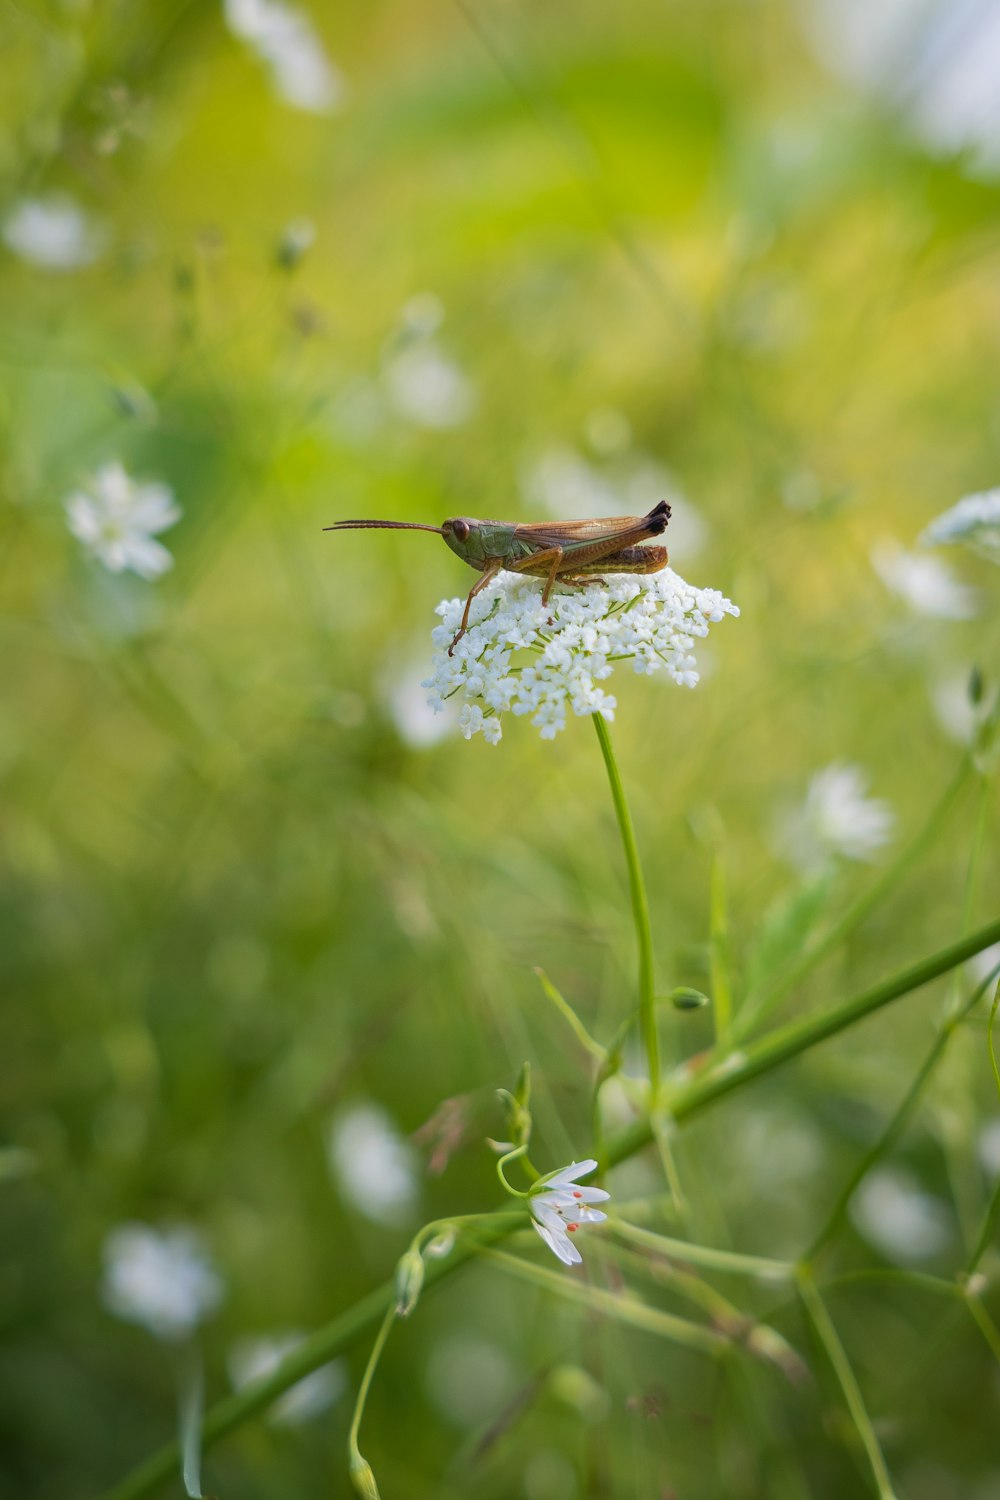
382, 525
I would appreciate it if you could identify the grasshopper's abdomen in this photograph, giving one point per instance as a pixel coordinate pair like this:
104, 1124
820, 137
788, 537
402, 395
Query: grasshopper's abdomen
630, 560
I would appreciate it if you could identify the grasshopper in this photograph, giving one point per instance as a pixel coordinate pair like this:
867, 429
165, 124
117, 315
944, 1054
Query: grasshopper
572, 552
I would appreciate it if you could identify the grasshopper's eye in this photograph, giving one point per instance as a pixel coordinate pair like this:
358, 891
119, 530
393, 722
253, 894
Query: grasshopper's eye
460, 530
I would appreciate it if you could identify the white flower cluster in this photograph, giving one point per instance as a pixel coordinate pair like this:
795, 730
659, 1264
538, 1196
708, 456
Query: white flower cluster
974, 520
521, 657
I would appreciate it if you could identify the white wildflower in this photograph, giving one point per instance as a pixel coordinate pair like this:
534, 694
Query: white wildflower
923, 583
521, 657
559, 1206
982, 965
416, 721
835, 819
428, 388
899, 1218
936, 61
162, 1279
285, 40
53, 233
253, 1359
375, 1167
116, 518
562, 482
988, 1148
974, 521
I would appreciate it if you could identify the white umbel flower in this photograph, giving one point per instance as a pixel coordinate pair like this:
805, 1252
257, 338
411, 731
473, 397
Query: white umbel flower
117, 519
559, 1207
521, 657
162, 1279
974, 521
923, 583
836, 819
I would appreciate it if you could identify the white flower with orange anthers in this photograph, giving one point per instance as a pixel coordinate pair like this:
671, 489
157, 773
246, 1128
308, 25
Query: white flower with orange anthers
559, 1207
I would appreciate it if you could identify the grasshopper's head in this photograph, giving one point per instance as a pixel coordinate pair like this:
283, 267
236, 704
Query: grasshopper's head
461, 534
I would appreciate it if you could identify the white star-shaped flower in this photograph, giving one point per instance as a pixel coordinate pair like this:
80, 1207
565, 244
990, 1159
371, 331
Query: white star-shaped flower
117, 519
975, 520
559, 1207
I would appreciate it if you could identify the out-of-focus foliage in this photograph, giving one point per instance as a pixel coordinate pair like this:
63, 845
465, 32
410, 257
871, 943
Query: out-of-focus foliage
519, 258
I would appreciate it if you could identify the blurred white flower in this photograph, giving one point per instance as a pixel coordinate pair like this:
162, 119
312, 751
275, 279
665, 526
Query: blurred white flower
562, 482
116, 518
162, 1279
375, 1167
406, 699
982, 964
253, 1359
923, 583
559, 1206
835, 819
938, 61
52, 232
423, 314
572, 645
899, 1218
954, 709
285, 39
989, 1146
427, 387
974, 520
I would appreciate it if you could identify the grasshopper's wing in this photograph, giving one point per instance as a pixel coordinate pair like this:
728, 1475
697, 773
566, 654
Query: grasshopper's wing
607, 534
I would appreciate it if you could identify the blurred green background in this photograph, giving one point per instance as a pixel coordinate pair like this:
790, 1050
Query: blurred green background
496, 259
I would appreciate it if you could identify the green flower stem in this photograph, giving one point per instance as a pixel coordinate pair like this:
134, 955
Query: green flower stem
569, 1015
898, 1121
991, 1221
353, 1450
698, 1093
622, 1309
830, 1339
511, 1156
319, 1349
985, 1324
723, 1074
757, 1005
640, 910
690, 1254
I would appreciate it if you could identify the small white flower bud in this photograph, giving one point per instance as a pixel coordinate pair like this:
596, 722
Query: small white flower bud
363, 1478
409, 1282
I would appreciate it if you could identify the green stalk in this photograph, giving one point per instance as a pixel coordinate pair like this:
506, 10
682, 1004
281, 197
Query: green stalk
640, 910
830, 1339
899, 1119
701, 1091
354, 1452
785, 1042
